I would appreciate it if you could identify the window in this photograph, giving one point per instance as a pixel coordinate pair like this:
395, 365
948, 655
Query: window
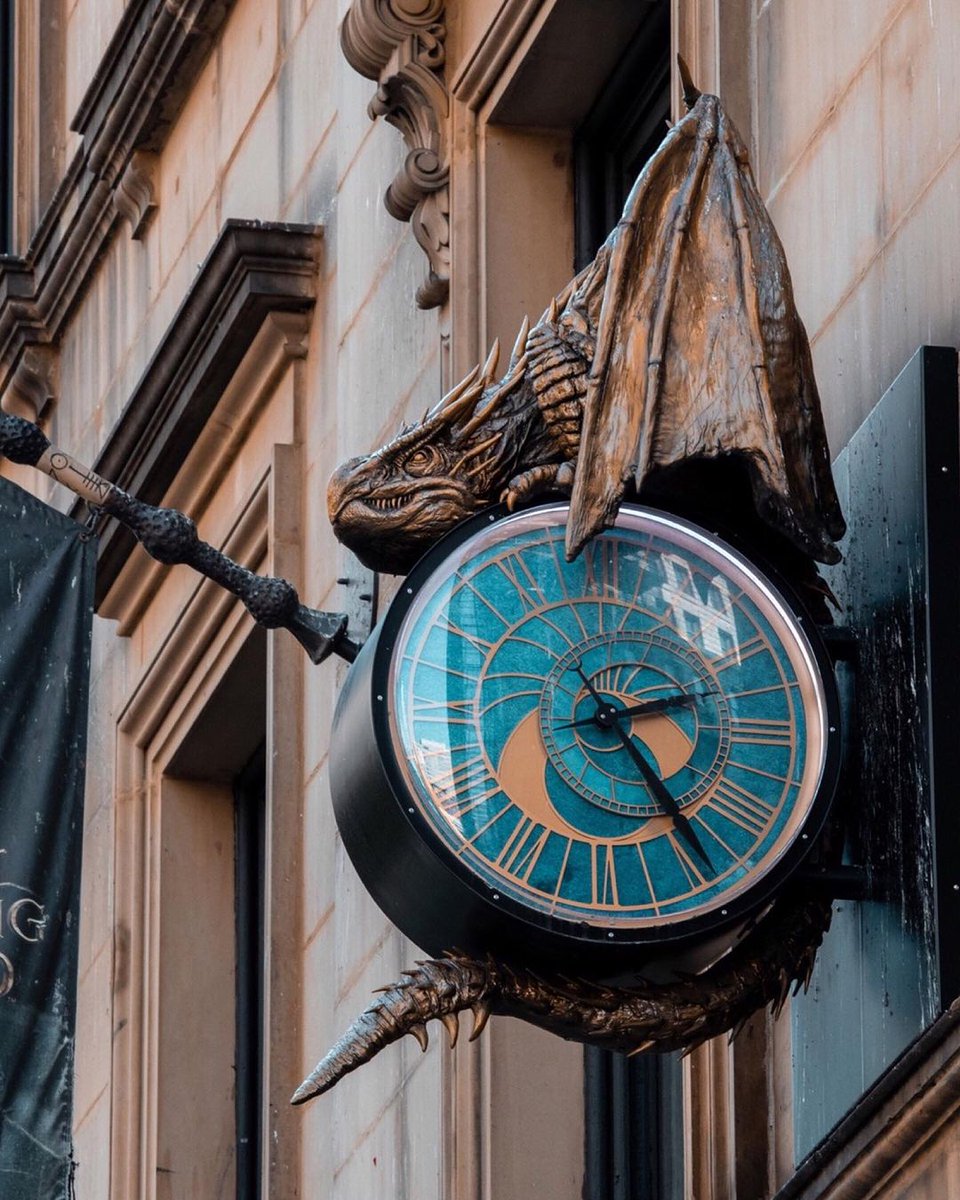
6, 126
249, 809
633, 1107
627, 123
210, 1034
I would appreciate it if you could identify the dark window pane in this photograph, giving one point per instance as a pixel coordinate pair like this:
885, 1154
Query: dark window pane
250, 810
634, 1127
6, 125
623, 129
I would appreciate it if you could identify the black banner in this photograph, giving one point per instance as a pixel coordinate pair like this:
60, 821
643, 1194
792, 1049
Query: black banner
46, 602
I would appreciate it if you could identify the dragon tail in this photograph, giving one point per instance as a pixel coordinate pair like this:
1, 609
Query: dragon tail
438, 989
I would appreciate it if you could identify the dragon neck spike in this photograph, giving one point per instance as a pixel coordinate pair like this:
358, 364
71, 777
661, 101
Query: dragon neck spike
520, 344
691, 93
489, 371
497, 396
453, 395
459, 401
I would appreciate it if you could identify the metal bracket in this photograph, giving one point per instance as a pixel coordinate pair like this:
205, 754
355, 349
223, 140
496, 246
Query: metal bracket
171, 537
841, 642
361, 591
836, 883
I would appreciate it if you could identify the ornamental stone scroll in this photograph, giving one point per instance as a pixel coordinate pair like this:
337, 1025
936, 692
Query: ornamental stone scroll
400, 44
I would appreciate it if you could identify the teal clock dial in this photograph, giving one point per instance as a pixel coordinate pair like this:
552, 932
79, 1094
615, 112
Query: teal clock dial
627, 742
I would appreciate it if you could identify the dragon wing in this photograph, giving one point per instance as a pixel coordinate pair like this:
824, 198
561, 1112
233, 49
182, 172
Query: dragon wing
700, 351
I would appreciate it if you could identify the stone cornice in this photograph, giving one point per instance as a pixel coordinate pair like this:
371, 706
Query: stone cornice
400, 44
142, 81
895, 1121
254, 269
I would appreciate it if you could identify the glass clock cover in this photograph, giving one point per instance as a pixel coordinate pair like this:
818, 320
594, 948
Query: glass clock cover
628, 741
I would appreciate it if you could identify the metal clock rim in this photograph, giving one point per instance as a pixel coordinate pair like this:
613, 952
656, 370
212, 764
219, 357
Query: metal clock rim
580, 935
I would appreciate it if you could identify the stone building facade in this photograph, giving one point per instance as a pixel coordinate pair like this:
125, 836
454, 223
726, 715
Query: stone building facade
206, 296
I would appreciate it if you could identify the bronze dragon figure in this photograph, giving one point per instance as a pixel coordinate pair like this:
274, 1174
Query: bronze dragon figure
680, 342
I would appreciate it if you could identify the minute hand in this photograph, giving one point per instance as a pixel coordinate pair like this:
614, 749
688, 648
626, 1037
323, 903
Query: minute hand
662, 795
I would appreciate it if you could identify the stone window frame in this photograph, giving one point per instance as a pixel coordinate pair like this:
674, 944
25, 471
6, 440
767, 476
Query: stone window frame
256, 420
485, 301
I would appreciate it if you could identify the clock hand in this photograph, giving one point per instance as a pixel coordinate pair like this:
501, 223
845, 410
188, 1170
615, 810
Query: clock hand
662, 795
578, 667
661, 704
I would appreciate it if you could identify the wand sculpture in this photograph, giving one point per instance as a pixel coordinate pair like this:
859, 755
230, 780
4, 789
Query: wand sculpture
171, 537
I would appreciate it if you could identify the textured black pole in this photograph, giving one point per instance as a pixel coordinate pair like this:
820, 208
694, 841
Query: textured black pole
171, 537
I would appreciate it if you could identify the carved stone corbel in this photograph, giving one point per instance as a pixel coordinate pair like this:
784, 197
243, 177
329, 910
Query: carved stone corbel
400, 44
135, 196
34, 382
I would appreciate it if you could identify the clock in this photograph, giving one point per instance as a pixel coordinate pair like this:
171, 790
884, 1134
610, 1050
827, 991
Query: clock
598, 765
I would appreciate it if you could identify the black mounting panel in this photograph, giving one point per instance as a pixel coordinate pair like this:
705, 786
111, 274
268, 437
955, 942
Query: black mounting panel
899, 586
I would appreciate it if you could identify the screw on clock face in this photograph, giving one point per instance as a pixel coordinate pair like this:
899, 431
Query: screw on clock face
608, 715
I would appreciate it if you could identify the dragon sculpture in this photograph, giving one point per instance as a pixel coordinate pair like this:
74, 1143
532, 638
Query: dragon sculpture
680, 343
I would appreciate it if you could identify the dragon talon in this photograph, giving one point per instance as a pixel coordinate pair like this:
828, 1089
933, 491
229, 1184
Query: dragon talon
420, 1033
650, 1042
452, 1026
481, 1014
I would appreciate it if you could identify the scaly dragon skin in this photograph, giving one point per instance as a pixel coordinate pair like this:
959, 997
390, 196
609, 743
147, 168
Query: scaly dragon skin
777, 955
693, 330
487, 440
679, 344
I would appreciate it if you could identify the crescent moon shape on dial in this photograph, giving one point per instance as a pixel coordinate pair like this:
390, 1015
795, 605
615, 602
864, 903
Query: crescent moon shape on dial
524, 760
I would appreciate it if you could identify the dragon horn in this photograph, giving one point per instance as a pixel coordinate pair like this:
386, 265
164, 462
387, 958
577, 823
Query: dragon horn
496, 397
458, 401
437, 989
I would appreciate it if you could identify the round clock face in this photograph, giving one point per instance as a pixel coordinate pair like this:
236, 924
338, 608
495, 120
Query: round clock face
632, 741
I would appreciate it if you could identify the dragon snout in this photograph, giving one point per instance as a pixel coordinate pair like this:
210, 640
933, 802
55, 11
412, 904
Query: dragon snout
338, 489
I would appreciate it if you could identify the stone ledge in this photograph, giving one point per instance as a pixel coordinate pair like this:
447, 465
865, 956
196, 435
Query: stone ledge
254, 269
892, 1124
139, 88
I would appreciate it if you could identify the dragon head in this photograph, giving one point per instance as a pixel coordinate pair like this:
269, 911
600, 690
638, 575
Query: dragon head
391, 506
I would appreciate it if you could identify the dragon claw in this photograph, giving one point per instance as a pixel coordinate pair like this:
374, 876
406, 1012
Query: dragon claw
551, 477
452, 1026
481, 1014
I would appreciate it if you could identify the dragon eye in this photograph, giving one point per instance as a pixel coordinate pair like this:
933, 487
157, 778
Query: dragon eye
423, 461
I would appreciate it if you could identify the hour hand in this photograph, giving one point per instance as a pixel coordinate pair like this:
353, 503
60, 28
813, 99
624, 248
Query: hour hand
641, 708
664, 703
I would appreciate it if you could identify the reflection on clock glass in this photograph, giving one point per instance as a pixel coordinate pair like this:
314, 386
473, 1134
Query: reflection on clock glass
629, 739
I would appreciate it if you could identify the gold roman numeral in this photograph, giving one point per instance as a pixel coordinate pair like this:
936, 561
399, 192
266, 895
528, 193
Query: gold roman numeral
445, 712
761, 732
739, 653
741, 807
481, 645
523, 583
